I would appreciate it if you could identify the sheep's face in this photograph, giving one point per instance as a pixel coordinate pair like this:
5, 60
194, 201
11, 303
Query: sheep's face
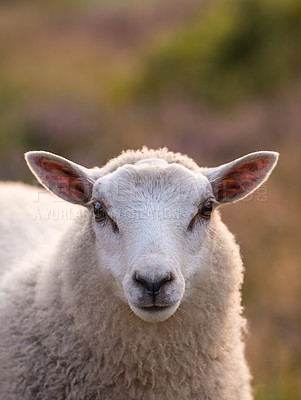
152, 219
151, 223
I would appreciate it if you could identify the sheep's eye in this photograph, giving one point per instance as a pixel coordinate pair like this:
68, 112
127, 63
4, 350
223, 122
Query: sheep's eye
99, 212
206, 209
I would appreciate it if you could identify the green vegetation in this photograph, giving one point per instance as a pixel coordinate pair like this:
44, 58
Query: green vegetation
282, 389
235, 50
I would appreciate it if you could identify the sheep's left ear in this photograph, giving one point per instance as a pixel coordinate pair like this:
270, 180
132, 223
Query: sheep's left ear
235, 180
64, 178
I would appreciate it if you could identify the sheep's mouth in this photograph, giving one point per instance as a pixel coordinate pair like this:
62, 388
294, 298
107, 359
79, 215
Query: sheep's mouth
154, 312
154, 308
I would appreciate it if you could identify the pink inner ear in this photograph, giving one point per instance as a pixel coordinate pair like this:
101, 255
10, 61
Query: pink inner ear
242, 179
61, 179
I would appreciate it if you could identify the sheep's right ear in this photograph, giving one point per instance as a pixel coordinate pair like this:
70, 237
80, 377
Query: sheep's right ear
64, 178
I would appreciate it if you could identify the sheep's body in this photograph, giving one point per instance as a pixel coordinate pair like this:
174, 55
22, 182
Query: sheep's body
67, 333
29, 217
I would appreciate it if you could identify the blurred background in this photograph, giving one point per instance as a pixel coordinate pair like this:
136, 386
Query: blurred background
214, 79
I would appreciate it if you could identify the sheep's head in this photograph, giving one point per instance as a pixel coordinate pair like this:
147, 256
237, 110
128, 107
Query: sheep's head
152, 218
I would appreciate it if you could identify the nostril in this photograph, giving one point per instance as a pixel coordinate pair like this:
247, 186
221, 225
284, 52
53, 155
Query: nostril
153, 287
157, 285
144, 282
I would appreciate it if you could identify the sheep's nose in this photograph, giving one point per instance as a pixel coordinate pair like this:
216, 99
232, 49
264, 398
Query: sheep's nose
153, 288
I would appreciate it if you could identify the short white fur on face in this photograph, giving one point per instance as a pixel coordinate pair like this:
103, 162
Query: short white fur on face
153, 205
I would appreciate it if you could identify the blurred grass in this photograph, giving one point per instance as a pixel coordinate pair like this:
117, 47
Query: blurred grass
216, 80
280, 389
233, 51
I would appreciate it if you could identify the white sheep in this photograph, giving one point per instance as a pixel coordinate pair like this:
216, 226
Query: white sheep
137, 294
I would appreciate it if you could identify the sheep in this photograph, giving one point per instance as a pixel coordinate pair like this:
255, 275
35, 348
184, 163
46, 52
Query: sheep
136, 298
